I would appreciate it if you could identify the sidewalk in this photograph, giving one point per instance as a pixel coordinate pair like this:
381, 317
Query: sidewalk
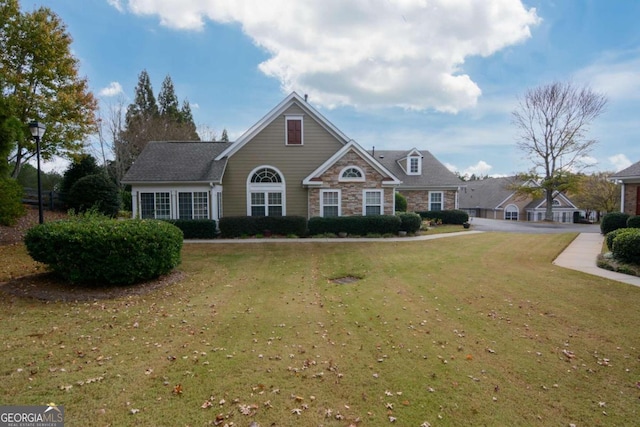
581, 255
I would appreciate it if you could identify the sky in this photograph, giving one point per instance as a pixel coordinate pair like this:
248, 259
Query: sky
438, 75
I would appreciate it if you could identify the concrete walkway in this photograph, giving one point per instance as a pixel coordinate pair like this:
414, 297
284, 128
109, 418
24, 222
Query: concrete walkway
581, 255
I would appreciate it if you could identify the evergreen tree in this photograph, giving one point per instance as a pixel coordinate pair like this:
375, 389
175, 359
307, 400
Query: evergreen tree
80, 168
186, 120
225, 136
168, 101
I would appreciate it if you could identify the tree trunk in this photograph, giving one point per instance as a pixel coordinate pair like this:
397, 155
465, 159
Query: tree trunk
548, 216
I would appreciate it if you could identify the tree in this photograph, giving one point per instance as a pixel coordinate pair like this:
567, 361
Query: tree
553, 122
596, 193
225, 136
80, 168
95, 192
146, 121
39, 81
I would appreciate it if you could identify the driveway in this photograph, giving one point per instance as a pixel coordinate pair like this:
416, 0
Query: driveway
483, 224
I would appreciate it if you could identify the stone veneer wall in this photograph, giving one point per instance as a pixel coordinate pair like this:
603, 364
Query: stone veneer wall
418, 200
630, 195
351, 192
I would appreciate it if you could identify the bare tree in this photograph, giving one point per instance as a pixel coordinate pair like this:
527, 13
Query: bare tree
553, 123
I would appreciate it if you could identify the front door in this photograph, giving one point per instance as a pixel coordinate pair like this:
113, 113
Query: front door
638, 200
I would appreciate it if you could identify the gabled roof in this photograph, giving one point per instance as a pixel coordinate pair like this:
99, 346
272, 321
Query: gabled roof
541, 202
178, 162
434, 174
632, 172
489, 193
277, 111
390, 178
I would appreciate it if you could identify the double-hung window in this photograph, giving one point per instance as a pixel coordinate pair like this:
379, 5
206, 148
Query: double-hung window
265, 189
155, 205
330, 202
193, 205
435, 201
372, 202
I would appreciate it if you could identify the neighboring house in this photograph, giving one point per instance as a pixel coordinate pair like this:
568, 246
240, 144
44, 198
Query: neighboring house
630, 191
496, 198
292, 162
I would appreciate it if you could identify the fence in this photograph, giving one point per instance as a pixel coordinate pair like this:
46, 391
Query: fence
50, 199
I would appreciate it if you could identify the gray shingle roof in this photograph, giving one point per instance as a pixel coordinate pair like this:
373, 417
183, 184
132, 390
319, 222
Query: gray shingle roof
178, 162
434, 173
632, 171
487, 193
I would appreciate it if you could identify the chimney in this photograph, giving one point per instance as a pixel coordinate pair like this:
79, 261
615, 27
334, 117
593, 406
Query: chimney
373, 151
306, 97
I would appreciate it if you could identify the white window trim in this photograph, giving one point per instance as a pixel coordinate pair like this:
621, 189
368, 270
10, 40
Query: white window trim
322, 205
351, 179
271, 187
419, 161
364, 199
511, 209
286, 129
441, 199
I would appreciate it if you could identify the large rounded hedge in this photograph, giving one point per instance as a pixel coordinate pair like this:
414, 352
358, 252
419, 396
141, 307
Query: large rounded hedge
626, 246
613, 221
95, 192
106, 251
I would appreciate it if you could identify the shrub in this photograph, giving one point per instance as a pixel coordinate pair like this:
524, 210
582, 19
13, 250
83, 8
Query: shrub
401, 203
626, 246
236, 226
196, 228
11, 207
633, 221
80, 168
105, 251
355, 225
454, 216
612, 235
95, 191
613, 221
410, 222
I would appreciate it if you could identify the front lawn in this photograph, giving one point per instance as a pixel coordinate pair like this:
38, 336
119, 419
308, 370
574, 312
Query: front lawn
469, 330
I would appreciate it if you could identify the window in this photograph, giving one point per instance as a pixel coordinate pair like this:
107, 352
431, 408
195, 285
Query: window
193, 205
435, 201
330, 203
555, 202
294, 130
372, 202
155, 205
511, 213
351, 173
415, 166
265, 192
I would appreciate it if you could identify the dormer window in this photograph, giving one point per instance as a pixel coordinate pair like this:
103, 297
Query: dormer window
351, 173
293, 130
414, 166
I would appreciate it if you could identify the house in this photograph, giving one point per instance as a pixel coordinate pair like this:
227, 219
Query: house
293, 161
629, 179
497, 198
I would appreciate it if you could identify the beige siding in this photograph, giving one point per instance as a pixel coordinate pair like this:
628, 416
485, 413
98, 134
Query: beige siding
295, 162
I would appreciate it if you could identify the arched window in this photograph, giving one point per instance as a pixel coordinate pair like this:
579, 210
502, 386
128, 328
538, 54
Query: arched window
511, 213
265, 192
351, 173
555, 202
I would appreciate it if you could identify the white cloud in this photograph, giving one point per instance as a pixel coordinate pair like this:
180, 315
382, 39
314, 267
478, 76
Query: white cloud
117, 4
481, 168
617, 78
405, 53
619, 162
113, 89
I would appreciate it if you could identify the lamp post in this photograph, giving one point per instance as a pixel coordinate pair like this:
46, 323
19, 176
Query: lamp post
37, 131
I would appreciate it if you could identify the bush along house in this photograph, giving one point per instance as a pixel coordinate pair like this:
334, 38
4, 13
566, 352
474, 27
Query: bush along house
291, 162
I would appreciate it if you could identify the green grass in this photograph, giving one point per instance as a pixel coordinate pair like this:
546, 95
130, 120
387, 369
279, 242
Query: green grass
468, 330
